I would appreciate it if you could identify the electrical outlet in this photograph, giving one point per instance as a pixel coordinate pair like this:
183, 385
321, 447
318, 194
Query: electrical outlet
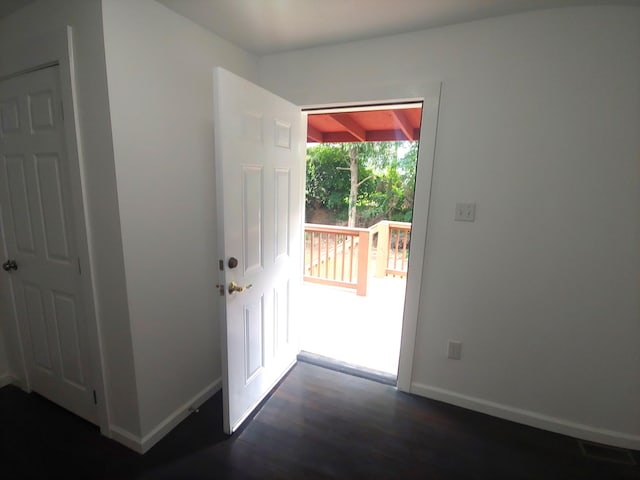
465, 212
454, 351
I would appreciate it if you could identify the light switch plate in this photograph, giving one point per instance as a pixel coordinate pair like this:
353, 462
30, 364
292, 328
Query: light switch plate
465, 212
454, 350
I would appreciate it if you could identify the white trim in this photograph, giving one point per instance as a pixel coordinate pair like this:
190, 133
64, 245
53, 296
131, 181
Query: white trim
528, 417
126, 438
5, 379
19, 382
365, 108
219, 219
144, 444
419, 233
50, 49
75, 153
178, 415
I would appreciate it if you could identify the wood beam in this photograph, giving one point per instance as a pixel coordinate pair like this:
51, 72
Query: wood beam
314, 134
403, 123
372, 136
353, 127
386, 135
340, 137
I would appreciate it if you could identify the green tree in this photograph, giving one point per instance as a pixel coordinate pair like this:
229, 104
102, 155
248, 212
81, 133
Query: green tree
395, 188
367, 154
329, 178
381, 187
395, 171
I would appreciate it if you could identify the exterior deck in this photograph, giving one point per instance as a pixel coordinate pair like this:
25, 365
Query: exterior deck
361, 330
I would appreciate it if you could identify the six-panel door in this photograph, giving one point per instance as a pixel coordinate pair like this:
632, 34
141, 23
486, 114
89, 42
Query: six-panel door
259, 168
37, 223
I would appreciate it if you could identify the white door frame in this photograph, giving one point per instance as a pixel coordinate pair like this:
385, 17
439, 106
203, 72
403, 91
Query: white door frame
57, 49
429, 94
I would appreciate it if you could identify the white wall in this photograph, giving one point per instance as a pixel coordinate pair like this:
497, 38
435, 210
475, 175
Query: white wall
99, 184
539, 121
159, 68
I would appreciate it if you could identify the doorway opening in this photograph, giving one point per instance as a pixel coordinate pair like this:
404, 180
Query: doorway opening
360, 183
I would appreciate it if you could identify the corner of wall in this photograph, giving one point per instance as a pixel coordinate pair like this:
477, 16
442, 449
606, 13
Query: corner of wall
143, 444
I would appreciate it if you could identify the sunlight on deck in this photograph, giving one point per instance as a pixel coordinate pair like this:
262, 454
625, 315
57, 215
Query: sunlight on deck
363, 331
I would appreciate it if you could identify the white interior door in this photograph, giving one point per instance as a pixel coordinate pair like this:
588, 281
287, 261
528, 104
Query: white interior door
260, 141
42, 270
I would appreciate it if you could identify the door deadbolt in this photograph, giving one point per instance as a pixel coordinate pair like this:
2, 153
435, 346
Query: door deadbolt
233, 262
9, 265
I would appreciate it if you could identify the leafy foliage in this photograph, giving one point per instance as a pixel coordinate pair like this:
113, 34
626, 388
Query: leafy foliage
386, 171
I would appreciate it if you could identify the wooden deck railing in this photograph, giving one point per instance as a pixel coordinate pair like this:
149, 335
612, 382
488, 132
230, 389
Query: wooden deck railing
392, 247
341, 256
336, 256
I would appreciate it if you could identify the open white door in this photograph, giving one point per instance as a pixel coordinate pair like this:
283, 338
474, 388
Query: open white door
259, 143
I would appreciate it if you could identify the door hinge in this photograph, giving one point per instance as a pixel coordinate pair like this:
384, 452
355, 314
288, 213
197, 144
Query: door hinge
79, 267
95, 397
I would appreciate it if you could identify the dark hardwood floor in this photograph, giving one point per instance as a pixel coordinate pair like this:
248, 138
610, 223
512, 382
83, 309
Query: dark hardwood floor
317, 424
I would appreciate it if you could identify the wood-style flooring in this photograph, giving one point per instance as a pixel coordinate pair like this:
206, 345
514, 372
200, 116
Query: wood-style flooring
317, 424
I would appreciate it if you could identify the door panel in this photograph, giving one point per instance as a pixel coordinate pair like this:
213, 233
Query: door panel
51, 203
35, 193
252, 215
38, 332
254, 338
259, 169
64, 310
19, 202
9, 117
282, 212
41, 111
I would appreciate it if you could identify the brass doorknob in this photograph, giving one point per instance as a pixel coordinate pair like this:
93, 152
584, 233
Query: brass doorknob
234, 287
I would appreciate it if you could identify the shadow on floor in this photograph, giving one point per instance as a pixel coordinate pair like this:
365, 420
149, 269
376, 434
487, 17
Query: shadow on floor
317, 424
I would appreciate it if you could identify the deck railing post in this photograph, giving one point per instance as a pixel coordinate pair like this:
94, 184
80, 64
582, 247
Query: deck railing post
363, 262
382, 249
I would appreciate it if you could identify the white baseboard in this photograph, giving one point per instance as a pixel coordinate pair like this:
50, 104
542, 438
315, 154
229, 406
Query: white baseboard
5, 380
182, 412
527, 417
143, 444
126, 438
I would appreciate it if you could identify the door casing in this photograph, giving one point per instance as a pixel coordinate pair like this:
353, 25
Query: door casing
429, 94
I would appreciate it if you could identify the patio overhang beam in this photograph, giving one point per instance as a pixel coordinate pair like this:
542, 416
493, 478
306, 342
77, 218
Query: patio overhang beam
351, 126
403, 123
382, 123
371, 136
314, 135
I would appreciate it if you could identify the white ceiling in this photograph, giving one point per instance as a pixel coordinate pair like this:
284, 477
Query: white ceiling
271, 26
7, 7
